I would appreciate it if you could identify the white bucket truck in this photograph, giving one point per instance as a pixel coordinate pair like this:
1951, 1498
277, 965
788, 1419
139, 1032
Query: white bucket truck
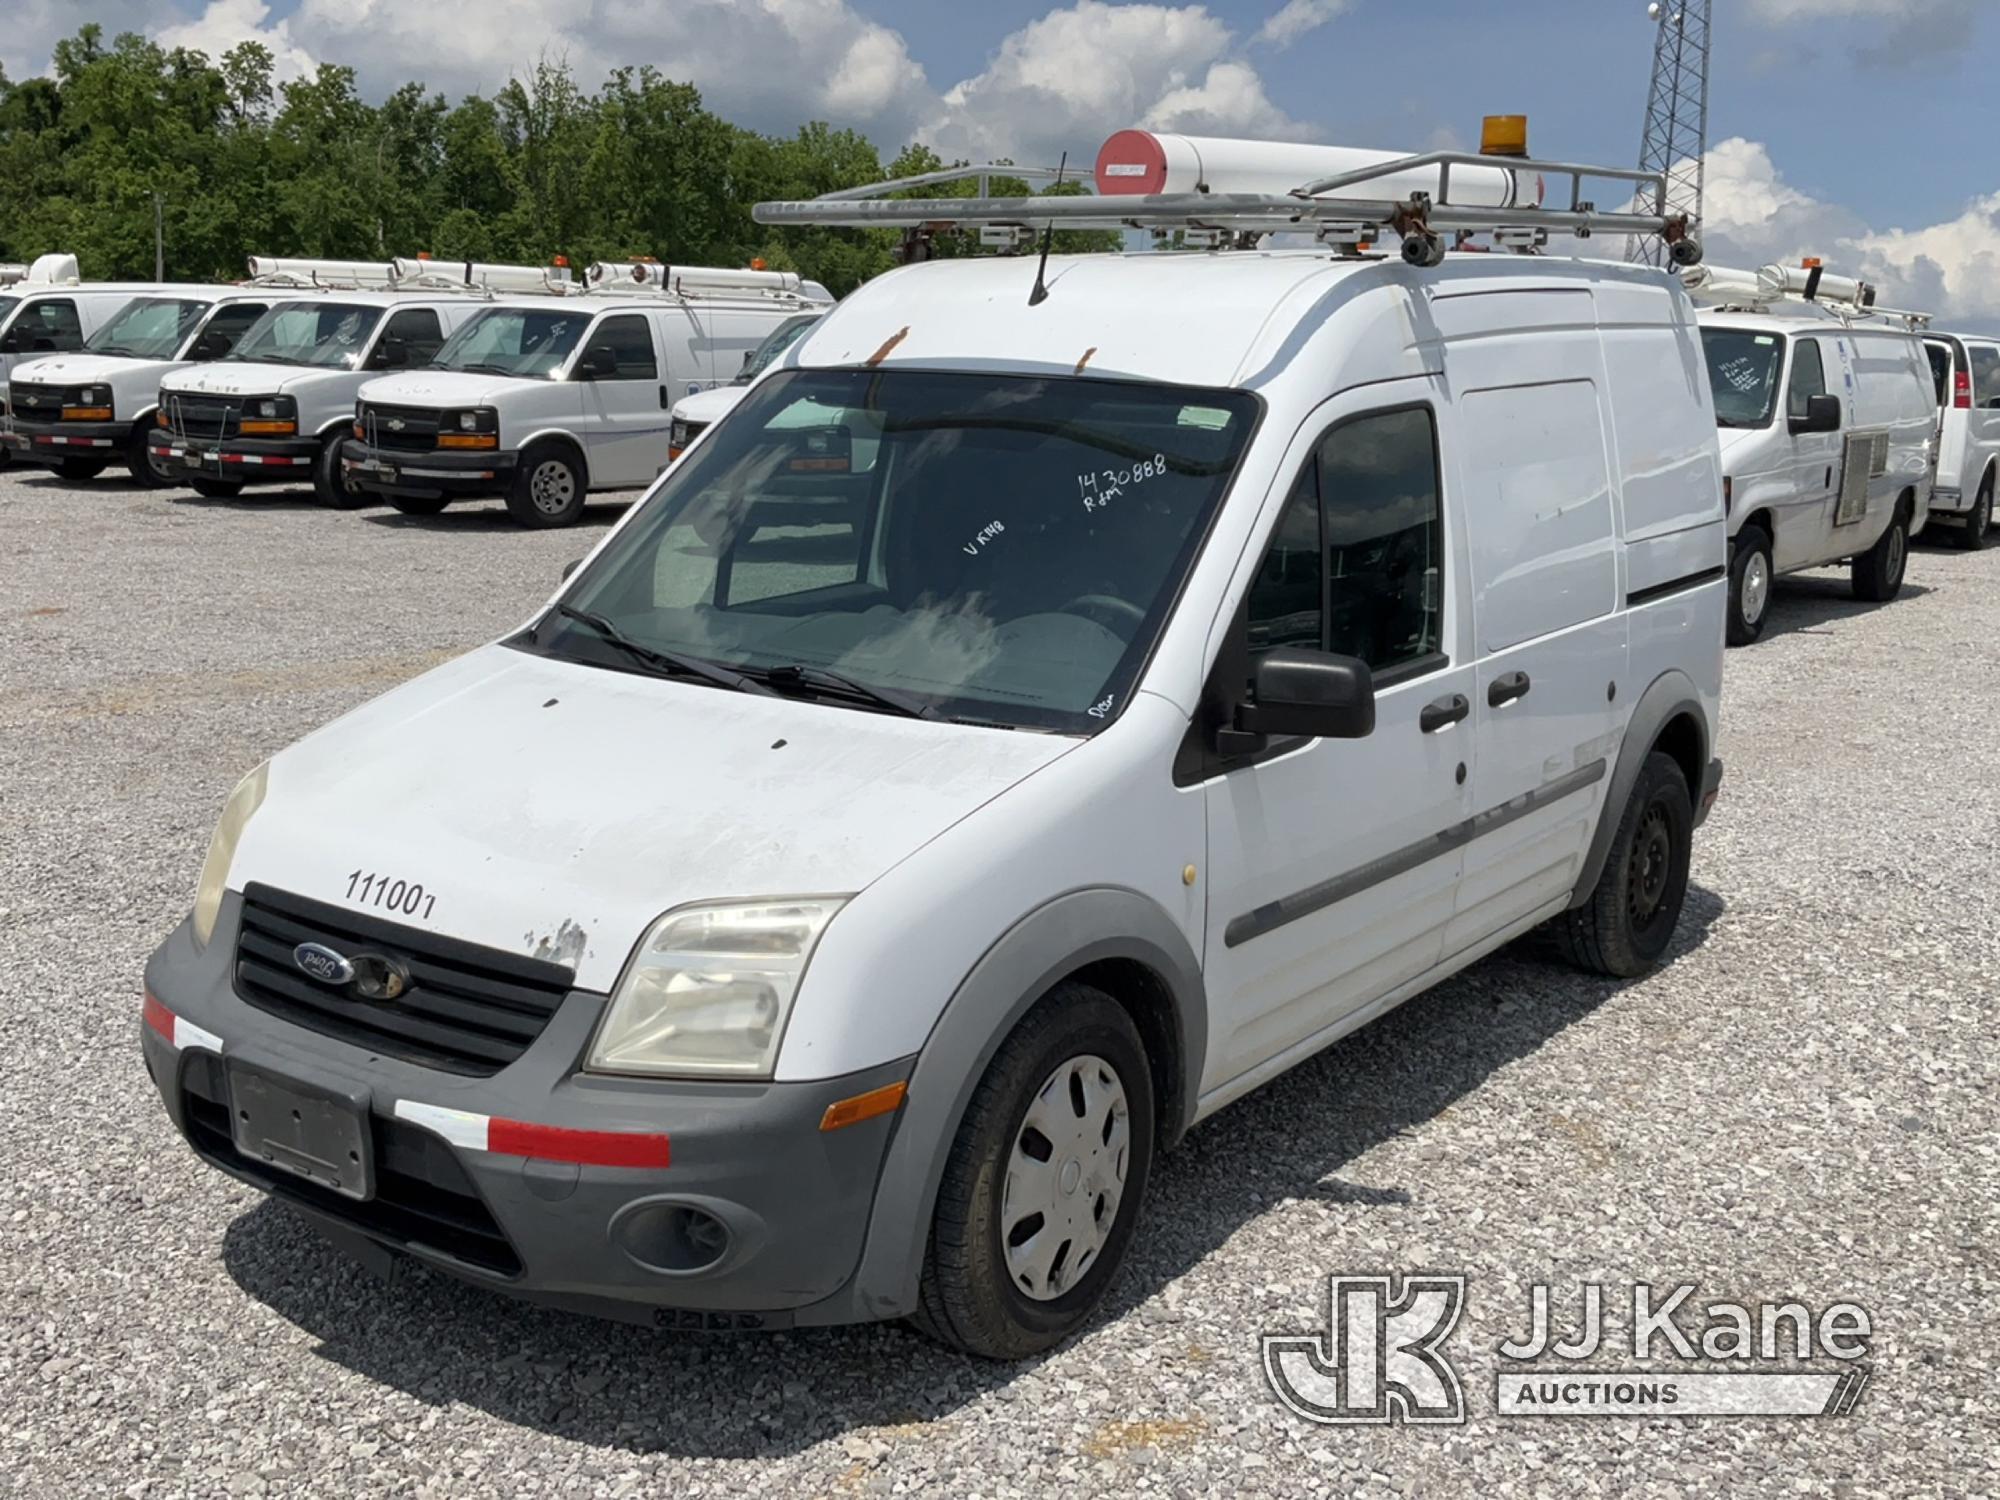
1828, 424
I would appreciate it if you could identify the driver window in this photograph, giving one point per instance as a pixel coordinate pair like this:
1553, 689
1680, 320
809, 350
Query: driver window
1808, 377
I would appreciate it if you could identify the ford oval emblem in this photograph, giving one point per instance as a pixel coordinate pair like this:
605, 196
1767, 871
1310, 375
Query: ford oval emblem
322, 963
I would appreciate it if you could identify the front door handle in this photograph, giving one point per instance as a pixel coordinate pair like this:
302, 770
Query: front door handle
1444, 713
1506, 688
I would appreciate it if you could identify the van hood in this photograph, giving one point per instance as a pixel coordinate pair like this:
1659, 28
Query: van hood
1734, 440
555, 810
443, 390
710, 405
90, 369
234, 378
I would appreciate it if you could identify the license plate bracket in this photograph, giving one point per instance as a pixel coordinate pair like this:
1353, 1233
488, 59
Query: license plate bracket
320, 1135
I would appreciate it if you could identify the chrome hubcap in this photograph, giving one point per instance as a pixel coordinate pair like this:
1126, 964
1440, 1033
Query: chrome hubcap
552, 486
1065, 1177
1756, 587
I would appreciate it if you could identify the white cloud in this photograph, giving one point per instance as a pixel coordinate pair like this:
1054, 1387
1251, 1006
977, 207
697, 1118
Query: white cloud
1915, 32
1295, 18
225, 23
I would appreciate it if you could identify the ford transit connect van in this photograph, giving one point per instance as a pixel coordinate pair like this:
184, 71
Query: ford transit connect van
1012, 733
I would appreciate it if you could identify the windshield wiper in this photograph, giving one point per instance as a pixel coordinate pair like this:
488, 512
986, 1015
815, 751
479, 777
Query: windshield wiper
668, 663
484, 369
797, 675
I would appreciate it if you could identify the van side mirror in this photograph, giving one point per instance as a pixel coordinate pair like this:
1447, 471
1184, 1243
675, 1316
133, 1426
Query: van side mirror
598, 363
391, 354
209, 346
1822, 415
1312, 694
570, 568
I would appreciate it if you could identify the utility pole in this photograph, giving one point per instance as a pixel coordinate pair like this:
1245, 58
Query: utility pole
1676, 137
159, 239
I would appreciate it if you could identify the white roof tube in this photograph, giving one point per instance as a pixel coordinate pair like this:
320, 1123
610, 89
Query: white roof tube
12, 271
1774, 283
691, 281
370, 273
1149, 161
479, 276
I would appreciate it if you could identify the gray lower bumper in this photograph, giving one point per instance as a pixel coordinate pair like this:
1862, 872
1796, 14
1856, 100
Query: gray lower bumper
795, 1201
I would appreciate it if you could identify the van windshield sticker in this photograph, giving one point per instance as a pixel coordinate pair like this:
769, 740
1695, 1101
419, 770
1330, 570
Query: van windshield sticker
1765, 338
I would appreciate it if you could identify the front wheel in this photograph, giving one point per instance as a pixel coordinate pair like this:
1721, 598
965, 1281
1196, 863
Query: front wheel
1749, 586
81, 468
1630, 917
1878, 572
1978, 519
216, 489
146, 473
330, 482
1043, 1188
548, 488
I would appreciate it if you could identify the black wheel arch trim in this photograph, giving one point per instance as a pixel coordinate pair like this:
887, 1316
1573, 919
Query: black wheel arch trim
1665, 699
1067, 933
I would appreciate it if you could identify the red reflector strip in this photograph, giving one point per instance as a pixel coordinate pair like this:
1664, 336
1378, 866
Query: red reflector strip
158, 1016
261, 458
590, 1148
178, 1030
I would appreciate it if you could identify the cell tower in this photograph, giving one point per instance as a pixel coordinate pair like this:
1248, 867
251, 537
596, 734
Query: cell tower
1676, 138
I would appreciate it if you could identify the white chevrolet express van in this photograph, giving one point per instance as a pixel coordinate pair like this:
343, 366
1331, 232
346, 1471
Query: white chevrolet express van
1827, 424
694, 415
546, 405
1012, 734
80, 413
1965, 374
280, 409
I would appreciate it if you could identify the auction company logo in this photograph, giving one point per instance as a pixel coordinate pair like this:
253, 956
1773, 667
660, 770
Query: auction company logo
1380, 1358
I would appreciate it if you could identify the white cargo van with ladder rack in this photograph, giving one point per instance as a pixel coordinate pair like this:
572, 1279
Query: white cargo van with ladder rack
1827, 425
1062, 694
280, 409
546, 405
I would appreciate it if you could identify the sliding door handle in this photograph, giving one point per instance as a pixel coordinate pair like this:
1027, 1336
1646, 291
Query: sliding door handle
1506, 688
1444, 713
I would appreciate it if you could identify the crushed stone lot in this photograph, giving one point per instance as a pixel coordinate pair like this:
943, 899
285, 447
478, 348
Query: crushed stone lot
1801, 1104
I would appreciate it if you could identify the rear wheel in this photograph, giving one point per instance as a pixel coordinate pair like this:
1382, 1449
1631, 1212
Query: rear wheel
1749, 586
81, 468
330, 482
217, 489
1878, 572
139, 459
1043, 1188
420, 505
1630, 917
548, 488
1979, 518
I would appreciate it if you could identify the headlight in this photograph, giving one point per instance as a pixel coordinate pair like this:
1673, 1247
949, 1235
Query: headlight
87, 403
477, 428
270, 416
679, 434
709, 990
244, 801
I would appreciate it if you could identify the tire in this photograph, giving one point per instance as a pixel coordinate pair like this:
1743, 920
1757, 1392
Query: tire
548, 487
419, 505
139, 459
1878, 572
81, 468
330, 484
1625, 926
973, 1296
1979, 518
216, 489
1750, 581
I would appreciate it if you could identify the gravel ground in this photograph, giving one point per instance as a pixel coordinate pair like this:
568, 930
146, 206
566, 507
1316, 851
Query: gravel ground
1799, 1105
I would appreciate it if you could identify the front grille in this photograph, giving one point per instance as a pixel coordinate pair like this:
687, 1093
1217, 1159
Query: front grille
37, 403
203, 416
468, 1009
408, 429
422, 1195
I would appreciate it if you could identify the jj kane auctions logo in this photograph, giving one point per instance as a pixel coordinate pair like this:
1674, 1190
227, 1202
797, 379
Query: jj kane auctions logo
1381, 1357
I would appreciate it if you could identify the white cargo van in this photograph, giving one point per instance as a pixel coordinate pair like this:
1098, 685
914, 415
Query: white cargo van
694, 415
280, 409
1827, 425
546, 405
1965, 372
1026, 725
80, 413
53, 311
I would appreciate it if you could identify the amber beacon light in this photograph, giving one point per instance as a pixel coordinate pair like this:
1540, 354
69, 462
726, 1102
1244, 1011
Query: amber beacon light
1503, 135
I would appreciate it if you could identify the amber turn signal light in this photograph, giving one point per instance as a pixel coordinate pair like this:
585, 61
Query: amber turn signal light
882, 1101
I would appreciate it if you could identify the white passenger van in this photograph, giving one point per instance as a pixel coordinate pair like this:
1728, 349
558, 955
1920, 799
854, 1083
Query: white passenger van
1024, 726
80, 413
1965, 372
546, 405
694, 415
280, 409
52, 310
1827, 424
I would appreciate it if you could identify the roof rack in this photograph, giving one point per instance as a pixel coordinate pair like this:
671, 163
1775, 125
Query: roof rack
409, 274
644, 277
1844, 297
1335, 208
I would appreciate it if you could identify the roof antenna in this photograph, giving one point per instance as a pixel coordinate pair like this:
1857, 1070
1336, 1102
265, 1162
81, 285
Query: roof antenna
1041, 292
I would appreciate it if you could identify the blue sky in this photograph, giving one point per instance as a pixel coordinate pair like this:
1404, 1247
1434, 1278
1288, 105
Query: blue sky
1867, 131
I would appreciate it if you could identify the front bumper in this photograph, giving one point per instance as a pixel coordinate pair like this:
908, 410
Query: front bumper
238, 460
49, 443
428, 474
794, 1200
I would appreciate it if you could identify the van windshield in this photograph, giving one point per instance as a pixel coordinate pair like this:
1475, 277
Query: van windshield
330, 334
514, 341
1743, 373
776, 342
1001, 549
150, 328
